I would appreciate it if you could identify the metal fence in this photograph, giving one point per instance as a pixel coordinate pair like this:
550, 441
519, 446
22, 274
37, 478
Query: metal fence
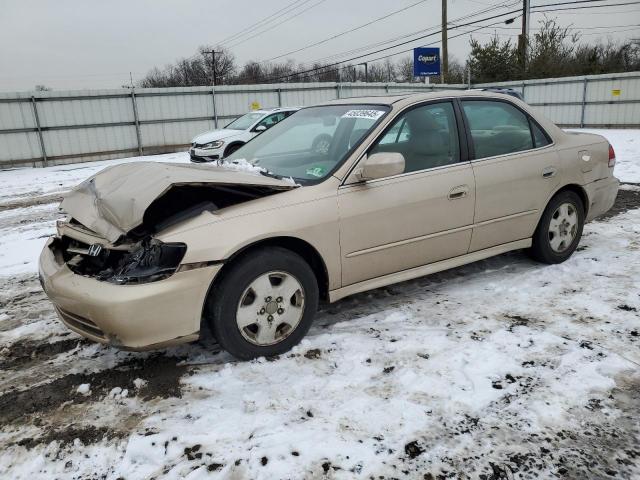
48, 128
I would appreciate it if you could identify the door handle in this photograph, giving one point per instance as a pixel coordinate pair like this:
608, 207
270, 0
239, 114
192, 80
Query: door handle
458, 192
549, 172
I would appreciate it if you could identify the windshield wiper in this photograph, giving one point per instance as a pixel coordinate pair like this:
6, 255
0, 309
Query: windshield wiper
267, 173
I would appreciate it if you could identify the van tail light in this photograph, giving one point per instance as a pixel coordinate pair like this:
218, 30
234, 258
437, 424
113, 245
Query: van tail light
612, 156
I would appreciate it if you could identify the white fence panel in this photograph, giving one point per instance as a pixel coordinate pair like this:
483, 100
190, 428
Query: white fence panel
20, 147
38, 128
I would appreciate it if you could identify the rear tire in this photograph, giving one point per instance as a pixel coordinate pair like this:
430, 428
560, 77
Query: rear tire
559, 230
264, 305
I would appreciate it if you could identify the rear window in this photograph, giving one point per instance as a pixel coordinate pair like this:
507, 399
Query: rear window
497, 128
539, 137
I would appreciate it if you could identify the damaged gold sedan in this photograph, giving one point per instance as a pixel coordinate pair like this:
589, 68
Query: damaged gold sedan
336, 199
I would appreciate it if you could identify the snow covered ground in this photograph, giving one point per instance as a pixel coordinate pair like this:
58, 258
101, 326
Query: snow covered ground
501, 369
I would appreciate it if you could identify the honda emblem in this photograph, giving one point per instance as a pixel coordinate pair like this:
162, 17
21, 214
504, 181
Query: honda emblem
94, 250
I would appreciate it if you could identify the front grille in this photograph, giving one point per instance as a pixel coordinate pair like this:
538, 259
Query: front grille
90, 260
81, 323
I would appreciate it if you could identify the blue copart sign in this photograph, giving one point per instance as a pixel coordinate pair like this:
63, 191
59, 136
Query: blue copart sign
426, 61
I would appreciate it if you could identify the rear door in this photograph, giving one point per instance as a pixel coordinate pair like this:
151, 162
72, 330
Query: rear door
516, 169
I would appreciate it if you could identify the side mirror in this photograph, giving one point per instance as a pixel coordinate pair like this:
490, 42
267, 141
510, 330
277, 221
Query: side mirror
379, 165
261, 128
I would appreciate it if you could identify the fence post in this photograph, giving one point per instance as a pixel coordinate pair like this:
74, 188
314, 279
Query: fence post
136, 120
338, 90
37, 119
215, 112
279, 97
584, 101
523, 85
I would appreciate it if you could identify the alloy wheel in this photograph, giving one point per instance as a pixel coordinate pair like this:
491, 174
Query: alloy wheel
270, 308
563, 227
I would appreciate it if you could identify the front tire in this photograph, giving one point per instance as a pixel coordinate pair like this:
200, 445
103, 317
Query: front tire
231, 149
264, 305
560, 229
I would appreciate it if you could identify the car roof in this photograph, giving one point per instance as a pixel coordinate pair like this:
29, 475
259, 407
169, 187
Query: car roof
276, 109
412, 97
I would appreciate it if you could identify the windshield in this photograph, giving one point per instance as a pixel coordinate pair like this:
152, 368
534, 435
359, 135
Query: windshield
245, 121
312, 142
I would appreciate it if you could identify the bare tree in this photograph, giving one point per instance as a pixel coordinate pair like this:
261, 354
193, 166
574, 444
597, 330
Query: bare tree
193, 71
404, 69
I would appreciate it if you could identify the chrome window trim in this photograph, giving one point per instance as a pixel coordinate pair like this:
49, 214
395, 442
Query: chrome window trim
519, 152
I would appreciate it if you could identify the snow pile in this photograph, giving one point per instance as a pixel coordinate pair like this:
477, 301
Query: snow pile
243, 165
84, 389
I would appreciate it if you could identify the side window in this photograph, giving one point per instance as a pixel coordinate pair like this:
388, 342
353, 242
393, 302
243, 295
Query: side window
271, 120
426, 136
539, 136
398, 133
497, 128
360, 128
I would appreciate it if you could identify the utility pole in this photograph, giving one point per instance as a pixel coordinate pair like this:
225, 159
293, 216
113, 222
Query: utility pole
445, 54
366, 72
213, 67
524, 36
213, 86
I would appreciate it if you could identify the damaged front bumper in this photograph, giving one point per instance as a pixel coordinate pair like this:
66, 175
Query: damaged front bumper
137, 316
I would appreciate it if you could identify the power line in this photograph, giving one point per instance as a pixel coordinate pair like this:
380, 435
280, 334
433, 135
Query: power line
397, 53
567, 3
277, 24
333, 37
582, 34
571, 27
582, 6
395, 46
589, 13
394, 39
261, 23
324, 67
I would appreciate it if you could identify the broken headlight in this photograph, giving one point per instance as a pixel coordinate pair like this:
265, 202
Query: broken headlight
150, 262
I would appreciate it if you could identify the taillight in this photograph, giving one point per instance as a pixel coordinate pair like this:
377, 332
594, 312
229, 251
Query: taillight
612, 156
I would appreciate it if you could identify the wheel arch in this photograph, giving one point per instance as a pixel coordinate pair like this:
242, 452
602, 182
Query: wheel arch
570, 187
237, 143
303, 248
579, 190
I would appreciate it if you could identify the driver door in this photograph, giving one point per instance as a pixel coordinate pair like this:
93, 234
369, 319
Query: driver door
418, 217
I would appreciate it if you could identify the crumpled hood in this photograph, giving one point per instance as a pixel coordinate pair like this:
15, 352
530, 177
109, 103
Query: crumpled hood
114, 201
216, 135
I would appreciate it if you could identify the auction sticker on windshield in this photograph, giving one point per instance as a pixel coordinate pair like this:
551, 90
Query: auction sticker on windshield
370, 114
316, 171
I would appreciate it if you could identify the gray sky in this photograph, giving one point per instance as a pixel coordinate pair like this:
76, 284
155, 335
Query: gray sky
72, 44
